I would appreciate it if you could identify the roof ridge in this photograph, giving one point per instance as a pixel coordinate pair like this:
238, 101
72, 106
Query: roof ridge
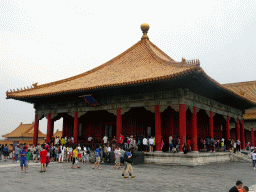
157, 48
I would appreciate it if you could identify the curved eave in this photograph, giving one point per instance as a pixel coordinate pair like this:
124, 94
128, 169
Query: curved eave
138, 82
208, 79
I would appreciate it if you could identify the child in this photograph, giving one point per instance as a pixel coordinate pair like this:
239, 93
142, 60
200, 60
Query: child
28, 156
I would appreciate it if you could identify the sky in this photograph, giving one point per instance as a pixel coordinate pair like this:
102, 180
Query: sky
46, 41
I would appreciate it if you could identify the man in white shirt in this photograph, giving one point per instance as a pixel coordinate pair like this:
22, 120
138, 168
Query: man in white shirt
151, 142
238, 144
61, 154
105, 140
145, 144
253, 158
108, 153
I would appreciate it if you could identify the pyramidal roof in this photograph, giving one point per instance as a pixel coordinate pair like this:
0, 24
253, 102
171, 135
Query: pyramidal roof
143, 62
24, 130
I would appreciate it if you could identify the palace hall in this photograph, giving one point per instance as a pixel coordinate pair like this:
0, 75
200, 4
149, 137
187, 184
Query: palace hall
142, 91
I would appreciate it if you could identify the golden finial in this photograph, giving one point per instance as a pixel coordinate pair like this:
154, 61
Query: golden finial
183, 60
144, 27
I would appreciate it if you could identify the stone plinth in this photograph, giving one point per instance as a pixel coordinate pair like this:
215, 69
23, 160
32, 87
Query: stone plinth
189, 159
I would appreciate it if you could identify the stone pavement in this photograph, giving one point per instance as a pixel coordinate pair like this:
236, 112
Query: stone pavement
60, 177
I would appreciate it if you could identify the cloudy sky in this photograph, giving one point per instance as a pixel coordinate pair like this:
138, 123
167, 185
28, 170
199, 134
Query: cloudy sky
45, 41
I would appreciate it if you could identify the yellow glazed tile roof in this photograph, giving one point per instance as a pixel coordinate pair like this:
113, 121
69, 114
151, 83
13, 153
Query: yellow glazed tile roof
141, 63
24, 130
246, 89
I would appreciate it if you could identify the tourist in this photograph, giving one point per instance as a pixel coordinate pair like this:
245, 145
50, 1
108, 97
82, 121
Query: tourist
105, 140
23, 159
245, 189
253, 156
125, 142
56, 141
113, 143
83, 154
248, 146
74, 158
17, 152
129, 139
170, 143
128, 158
104, 150
145, 144
97, 158
134, 142
120, 140
234, 146
6, 152
238, 142
174, 141
189, 144
72, 140
108, 153
28, 156
185, 148
212, 145
87, 155
61, 153
117, 153
239, 185
79, 156
162, 143
122, 157
151, 142
52, 152
43, 157
62, 141
66, 141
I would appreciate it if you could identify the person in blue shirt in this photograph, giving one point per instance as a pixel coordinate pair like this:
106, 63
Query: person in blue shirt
23, 159
129, 164
97, 157
6, 152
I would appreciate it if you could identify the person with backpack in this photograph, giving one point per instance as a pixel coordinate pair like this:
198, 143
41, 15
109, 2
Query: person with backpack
128, 160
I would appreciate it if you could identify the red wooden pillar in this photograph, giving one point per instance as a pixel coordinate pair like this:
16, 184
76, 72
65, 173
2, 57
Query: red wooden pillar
242, 136
182, 124
35, 137
194, 146
252, 137
118, 122
157, 128
237, 130
75, 132
227, 129
211, 125
49, 128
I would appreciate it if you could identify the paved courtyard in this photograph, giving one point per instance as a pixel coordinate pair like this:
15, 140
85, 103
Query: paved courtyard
60, 177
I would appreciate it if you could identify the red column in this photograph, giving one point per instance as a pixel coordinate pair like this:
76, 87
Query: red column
252, 136
237, 130
49, 128
182, 124
227, 129
242, 136
194, 146
35, 137
75, 132
211, 125
157, 128
118, 122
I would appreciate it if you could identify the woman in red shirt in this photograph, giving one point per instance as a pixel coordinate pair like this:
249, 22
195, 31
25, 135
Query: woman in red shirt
43, 155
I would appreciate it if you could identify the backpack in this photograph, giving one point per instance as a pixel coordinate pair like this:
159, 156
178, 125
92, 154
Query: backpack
128, 160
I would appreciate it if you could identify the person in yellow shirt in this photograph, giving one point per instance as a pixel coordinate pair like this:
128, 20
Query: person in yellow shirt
62, 141
74, 157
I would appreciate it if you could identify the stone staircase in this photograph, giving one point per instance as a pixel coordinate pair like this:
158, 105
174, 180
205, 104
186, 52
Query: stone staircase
241, 156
